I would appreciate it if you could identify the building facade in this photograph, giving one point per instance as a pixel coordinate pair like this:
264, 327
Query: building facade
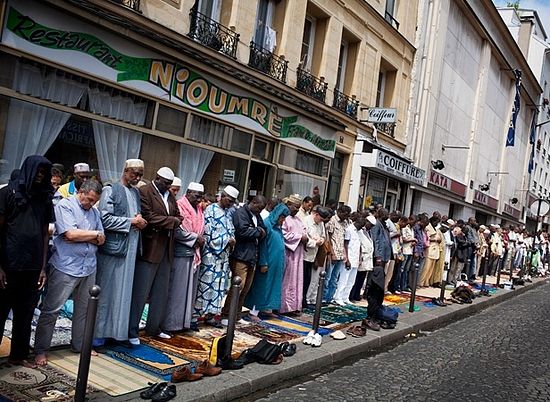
469, 74
265, 95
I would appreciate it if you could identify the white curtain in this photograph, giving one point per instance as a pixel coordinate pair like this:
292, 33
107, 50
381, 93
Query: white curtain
31, 129
209, 132
297, 184
115, 144
193, 164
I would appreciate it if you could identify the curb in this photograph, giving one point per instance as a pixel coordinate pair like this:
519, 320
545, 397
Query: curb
256, 377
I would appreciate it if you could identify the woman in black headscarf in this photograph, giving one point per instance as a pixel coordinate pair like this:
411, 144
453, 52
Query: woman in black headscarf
26, 209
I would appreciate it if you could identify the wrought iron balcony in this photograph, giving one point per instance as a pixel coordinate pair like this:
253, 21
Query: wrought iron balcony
213, 34
386, 128
393, 22
345, 104
311, 85
268, 63
133, 4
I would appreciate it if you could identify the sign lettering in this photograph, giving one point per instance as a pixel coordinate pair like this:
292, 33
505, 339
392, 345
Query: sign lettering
400, 168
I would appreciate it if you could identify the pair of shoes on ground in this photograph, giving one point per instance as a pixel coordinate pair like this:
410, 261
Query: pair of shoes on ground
242, 321
313, 339
159, 392
338, 335
370, 324
205, 369
357, 331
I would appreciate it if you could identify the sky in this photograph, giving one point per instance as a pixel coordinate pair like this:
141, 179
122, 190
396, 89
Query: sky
541, 6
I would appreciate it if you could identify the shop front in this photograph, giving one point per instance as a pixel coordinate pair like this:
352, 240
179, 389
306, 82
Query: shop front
76, 92
486, 211
379, 177
442, 194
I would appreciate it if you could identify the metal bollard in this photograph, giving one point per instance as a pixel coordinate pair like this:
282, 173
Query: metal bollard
318, 302
413, 287
444, 280
86, 352
232, 318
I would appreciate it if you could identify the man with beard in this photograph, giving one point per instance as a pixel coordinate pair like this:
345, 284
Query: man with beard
26, 209
81, 174
120, 209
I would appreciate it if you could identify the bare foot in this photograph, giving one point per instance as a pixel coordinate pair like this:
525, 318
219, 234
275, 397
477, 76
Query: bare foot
41, 359
24, 363
94, 353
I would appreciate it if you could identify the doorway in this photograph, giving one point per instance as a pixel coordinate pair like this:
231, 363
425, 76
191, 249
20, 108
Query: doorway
259, 178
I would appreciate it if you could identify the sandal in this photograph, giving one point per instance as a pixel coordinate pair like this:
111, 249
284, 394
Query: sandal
165, 394
152, 390
357, 331
278, 360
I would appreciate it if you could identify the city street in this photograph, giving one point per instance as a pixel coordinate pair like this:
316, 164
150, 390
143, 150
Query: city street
499, 354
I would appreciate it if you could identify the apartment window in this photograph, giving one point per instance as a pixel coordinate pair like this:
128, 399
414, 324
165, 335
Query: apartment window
390, 7
380, 89
210, 8
265, 35
390, 12
386, 84
342, 60
308, 41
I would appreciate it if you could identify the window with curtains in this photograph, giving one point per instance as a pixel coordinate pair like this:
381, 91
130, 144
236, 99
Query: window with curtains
171, 120
304, 161
295, 183
210, 132
158, 152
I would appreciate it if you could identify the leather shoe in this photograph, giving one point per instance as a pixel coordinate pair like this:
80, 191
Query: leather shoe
152, 390
207, 370
370, 324
184, 374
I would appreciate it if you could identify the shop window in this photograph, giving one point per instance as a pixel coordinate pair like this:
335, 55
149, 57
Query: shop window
241, 141
294, 183
171, 120
263, 150
158, 152
225, 170
376, 190
304, 161
209, 132
75, 143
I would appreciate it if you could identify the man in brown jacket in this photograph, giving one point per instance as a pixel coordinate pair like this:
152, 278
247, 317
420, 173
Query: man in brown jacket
152, 275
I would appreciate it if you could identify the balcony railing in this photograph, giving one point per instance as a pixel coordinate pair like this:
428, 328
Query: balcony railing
268, 63
394, 23
311, 85
213, 34
133, 4
386, 128
345, 104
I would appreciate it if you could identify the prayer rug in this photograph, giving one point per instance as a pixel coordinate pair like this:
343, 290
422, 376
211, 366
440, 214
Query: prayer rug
269, 333
291, 325
19, 383
106, 374
61, 334
149, 359
341, 314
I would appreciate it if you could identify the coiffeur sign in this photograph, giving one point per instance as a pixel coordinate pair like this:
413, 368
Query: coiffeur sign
399, 167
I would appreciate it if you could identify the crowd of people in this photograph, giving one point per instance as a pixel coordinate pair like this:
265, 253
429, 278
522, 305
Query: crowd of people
142, 244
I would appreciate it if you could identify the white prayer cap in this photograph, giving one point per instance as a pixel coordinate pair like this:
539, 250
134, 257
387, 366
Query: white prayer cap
450, 222
195, 187
133, 163
81, 167
495, 226
482, 227
371, 219
166, 173
231, 191
293, 199
176, 182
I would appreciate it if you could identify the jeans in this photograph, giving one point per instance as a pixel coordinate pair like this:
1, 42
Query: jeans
472, 268
405, 268
331, 279
61, 286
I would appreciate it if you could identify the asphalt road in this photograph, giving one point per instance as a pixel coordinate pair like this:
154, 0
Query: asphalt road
500, 354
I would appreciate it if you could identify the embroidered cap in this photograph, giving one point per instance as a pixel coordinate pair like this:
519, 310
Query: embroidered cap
176, 182
166, 173
231, 191
293, 199
81, 167
195, 187
133, 163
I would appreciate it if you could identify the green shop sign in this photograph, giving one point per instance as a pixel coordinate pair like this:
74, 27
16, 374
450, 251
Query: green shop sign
177, 80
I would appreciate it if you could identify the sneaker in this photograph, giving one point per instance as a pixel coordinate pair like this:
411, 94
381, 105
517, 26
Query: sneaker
387, 293
242, 321
134, 341
397, 292
225, 322
163, 335
339, 303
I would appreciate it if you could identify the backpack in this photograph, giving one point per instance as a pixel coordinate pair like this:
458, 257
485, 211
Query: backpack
263, 352
387, 315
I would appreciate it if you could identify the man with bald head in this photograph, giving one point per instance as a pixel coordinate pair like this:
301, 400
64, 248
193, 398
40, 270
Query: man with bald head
249, 231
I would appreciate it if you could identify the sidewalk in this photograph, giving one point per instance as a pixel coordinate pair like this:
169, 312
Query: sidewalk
255, 377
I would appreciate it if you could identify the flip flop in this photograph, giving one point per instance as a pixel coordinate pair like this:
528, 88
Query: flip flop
338, 335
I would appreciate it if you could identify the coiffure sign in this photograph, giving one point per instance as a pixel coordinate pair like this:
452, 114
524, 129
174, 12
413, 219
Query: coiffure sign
381, 115
399, 167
